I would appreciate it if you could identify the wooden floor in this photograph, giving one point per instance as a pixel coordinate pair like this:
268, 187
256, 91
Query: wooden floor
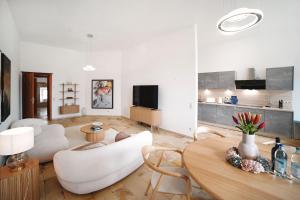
133, 186
130, 188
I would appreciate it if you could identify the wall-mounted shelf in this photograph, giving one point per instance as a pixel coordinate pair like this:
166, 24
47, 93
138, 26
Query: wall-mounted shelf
67, 90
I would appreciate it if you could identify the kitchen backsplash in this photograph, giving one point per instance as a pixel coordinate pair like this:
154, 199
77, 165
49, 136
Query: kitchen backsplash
251, 97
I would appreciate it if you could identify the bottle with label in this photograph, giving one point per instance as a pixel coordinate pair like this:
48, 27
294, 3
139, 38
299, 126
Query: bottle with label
280, 161
295, 164
277, 140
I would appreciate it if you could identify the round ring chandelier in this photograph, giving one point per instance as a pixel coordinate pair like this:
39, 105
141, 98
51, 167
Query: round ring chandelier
239, 20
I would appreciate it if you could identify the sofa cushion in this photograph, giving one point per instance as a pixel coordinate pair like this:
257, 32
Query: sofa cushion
121, 136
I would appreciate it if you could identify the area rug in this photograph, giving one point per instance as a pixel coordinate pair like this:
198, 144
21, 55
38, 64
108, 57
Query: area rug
77, 138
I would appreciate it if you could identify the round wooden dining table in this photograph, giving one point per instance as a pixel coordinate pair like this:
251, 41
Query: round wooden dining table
206, 164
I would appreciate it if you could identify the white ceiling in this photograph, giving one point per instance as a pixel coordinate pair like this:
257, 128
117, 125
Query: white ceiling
119, 23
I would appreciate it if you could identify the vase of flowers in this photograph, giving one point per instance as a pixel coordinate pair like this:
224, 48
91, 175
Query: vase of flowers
249, 124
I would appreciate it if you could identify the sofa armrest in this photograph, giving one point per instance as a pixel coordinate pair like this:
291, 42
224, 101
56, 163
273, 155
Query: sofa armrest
29, 122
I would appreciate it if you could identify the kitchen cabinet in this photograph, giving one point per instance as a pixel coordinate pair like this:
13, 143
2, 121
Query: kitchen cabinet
227, 80
281, 78
279, 123
217, 80
224, 114
207, 112
211, 80
201, 80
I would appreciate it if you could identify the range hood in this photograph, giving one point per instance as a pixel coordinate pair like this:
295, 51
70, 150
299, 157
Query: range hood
251, 84
254, 83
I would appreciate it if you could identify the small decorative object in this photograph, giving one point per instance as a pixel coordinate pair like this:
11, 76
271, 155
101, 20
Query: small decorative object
15, 142
70, 90
97, 123
255, 166
234, 100
247, 123
102, 94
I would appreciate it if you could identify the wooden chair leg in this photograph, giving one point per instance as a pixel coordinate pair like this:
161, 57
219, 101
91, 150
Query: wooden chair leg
155, 188
148, 188
188, 197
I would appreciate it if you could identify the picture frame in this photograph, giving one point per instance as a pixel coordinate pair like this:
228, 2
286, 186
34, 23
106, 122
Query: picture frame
102, 94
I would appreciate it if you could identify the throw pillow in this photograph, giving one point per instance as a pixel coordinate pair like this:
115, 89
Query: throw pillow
110, 136
121, 136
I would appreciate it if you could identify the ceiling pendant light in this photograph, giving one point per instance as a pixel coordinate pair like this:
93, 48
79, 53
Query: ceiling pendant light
239, 20
89, 67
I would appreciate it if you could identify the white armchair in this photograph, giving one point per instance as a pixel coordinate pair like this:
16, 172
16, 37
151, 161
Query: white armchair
48, 139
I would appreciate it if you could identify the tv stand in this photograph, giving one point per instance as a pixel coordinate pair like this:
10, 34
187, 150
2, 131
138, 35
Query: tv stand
145, 115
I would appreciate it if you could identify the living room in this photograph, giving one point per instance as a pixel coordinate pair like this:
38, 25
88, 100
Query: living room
88, 48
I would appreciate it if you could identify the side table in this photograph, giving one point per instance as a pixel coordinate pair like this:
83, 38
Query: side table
20, 185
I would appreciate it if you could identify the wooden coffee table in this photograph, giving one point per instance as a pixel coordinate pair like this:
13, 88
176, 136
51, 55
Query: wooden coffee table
93, 136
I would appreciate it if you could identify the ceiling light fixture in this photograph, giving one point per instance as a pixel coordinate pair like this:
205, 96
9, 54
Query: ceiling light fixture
89, 67
239, 20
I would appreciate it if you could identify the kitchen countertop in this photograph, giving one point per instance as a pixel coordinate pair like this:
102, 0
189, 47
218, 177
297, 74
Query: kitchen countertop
248, 106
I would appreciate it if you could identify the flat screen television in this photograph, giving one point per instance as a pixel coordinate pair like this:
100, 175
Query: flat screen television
145, 96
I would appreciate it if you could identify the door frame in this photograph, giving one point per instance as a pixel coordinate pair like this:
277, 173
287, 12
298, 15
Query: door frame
49, 90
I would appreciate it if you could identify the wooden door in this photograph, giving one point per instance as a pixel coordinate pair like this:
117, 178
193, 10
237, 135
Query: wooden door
28, 95
49, 88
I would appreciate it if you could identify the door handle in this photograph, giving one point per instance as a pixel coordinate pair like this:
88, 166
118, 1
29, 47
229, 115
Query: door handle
32, 100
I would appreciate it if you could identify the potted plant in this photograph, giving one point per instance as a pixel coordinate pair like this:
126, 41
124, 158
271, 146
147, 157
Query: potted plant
249, 124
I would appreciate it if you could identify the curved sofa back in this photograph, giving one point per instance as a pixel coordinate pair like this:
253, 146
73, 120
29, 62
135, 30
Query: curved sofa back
93, 164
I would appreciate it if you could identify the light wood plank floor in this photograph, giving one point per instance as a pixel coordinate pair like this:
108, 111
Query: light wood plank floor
133, 186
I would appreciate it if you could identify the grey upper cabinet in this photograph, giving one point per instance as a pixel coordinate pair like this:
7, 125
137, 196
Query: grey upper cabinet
217, 80
279, 123
281, 78
227, 80
211, 80
201, 80
224, 115
207, 112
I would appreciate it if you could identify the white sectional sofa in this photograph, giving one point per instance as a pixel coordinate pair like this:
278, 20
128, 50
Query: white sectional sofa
85, 171
48, 139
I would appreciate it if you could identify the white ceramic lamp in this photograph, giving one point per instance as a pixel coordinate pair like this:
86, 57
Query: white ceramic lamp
15, 142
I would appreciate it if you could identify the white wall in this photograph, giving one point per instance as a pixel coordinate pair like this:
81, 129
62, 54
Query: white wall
66, 66
9, 45
167, 61
108, 65
273, 43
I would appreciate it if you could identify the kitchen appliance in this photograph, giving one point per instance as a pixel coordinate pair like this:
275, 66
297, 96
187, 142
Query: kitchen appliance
252, 83
210, 100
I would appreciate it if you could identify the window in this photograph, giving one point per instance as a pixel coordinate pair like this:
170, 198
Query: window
43, 94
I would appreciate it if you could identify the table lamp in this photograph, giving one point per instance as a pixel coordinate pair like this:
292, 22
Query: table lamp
14, 142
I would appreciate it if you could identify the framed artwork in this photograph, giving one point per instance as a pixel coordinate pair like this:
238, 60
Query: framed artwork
5, 87
102, 94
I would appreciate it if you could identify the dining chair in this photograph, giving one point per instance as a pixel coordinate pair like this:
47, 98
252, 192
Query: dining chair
206, 130
166, 179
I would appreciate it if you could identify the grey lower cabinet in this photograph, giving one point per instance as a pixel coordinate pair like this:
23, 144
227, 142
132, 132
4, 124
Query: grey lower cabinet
207, 113
279, 123
224, 115
281, 78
